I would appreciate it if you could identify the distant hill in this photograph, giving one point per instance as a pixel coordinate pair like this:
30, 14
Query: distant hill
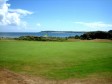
64, 31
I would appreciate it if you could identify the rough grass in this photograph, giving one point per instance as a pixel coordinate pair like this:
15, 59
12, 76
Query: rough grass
57, 60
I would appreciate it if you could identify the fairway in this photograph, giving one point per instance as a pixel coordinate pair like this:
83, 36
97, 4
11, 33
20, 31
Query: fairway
57, 60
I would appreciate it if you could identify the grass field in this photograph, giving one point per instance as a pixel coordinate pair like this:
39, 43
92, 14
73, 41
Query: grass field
57, 60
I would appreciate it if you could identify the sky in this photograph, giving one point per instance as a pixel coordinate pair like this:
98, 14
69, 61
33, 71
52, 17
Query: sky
55, 15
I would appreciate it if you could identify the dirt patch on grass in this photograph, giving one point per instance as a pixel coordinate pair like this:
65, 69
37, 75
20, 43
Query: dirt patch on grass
94, 40
101, 40
8, 77
97, 40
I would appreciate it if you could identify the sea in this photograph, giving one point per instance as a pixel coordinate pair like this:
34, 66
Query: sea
49, 34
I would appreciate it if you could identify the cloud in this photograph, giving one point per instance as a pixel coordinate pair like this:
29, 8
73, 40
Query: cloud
94, 24
38, 25
20, 11
11, 16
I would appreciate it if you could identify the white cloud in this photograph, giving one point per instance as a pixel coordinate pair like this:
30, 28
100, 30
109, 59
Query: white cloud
38, 24
94, 24
20, 11
11, 16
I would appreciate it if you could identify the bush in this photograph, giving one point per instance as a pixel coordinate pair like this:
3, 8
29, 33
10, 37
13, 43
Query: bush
97, 35
36, 38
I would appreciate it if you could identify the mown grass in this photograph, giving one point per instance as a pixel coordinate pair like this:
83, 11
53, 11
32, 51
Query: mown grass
57, 60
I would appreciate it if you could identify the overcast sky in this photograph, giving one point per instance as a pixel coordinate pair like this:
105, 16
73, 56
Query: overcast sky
59, 15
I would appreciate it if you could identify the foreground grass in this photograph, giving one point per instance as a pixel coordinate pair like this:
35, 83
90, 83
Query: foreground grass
57, 60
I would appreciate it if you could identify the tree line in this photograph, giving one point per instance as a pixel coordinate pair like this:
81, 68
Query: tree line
40, 38
94, 35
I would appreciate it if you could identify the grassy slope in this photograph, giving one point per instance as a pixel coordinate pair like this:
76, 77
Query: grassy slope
57, 60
